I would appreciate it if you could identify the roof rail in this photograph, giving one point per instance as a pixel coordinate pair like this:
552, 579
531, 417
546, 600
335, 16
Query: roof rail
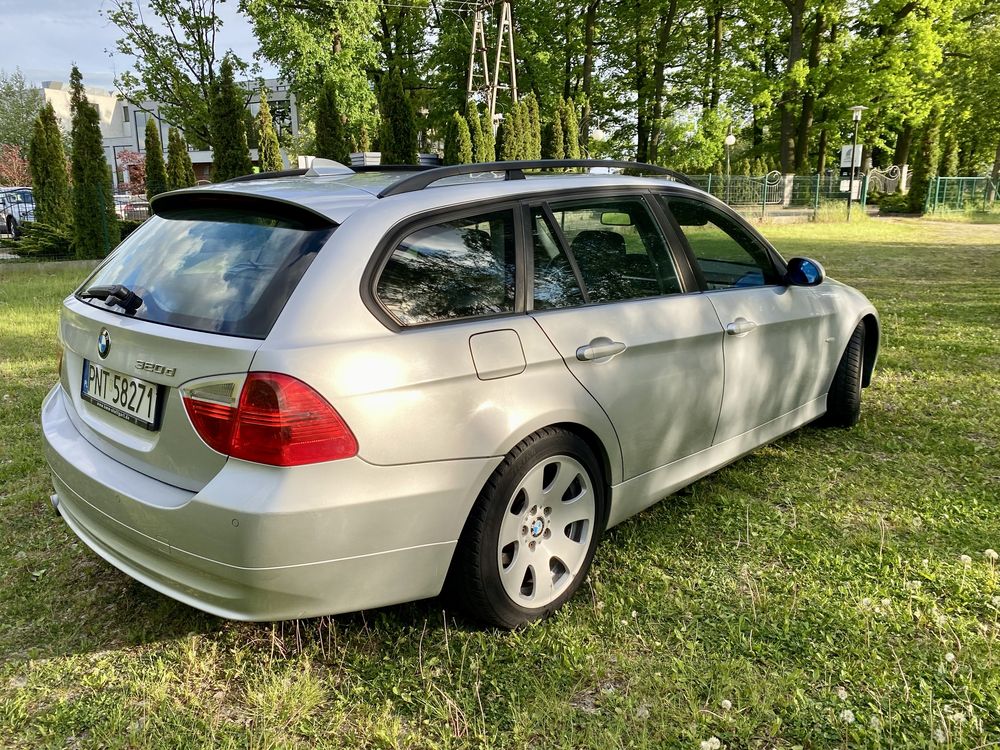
514, 170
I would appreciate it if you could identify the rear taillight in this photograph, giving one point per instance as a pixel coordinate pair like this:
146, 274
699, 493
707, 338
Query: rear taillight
278, 420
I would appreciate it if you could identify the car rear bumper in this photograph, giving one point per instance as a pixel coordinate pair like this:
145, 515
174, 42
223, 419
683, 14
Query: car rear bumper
262, 543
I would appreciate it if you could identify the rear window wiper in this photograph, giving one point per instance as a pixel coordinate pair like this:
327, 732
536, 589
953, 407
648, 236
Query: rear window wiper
116, 294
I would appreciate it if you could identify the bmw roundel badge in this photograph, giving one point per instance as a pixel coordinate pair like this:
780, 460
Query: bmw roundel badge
104, 343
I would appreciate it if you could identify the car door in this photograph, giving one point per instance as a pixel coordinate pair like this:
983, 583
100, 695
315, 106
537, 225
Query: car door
774, 332
610, 296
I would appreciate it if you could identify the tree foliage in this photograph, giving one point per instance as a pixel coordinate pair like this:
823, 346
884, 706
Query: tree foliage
95, 224
156, 171
458, 142
19, 105
174, 59
331, 134
231, 155
180, 171
49, 177
269, 150
398, 130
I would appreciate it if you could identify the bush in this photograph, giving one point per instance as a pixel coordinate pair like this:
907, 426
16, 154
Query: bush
42, 241
893, 203
130, 225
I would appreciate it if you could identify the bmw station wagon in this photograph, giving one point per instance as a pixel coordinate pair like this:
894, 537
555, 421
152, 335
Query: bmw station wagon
323, 392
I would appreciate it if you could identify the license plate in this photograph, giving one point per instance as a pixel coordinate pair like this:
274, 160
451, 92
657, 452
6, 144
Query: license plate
132, 399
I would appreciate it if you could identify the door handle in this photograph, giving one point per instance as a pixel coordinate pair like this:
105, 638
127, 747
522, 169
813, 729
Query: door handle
740, 327
600, 348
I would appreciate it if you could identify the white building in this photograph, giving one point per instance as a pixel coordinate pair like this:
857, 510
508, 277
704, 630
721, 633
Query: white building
123, 125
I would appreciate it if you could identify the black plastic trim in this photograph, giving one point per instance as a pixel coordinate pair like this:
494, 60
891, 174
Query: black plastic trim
268, 175
195, 199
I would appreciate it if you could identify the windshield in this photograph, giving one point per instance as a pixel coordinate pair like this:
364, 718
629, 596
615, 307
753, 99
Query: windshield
221, 270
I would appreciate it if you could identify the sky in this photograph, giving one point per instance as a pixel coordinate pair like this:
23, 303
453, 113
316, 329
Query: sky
45, 37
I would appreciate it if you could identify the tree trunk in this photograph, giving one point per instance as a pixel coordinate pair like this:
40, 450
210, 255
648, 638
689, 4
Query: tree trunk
663, 36
904, 141
808, 98
796, 9
716, 28
590, 21
821, 151
991, 192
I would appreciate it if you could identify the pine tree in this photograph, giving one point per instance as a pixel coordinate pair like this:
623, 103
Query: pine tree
489, 138
47, 160
927, 162
230, 153
463, 140
571, 130
744, 167
534, 150
180, 171
156, 173
398, 128
331, 138
270, 149
475, 125
95, 225
949, 157
553, 145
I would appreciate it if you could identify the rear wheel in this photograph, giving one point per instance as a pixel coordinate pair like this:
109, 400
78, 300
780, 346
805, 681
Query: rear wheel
843, 403
531, 535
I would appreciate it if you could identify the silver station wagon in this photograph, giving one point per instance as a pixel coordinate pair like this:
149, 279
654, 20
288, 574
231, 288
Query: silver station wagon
316, 393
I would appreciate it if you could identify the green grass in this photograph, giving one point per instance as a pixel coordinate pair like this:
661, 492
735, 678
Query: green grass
820, 575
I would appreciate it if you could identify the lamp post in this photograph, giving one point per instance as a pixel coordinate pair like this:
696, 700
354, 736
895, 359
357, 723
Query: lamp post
730, 140
856, 116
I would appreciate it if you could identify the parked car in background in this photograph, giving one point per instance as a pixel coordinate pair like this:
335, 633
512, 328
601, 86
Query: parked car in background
301, 395
132, 207
17, 205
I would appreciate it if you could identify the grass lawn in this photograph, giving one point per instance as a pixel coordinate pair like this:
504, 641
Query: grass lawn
829, 590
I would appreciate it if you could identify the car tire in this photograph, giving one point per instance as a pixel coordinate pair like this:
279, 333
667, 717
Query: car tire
843, 402
524, 552
12, 228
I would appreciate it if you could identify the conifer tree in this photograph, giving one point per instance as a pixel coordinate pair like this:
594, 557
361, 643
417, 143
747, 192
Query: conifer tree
461, 139
269, 149
534, 129
230, 153
49, 179
744, 167
554, 147
489, 138
95, 225
180, 171
475, 124
571, 130
398, 128
331, 138
510, 146
156, 173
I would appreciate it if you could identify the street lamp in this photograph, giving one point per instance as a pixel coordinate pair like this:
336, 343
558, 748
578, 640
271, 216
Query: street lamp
856, 116
730, 140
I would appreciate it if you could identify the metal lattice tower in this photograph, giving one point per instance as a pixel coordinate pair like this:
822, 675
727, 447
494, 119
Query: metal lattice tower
505, 38
478, 53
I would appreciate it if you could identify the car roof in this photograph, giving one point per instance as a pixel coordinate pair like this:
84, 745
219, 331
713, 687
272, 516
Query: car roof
337, 196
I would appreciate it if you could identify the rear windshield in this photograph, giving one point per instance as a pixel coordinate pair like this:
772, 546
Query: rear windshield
221, 270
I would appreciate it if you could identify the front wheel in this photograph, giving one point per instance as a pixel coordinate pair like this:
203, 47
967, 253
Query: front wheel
12, 228
843, 402
531, 536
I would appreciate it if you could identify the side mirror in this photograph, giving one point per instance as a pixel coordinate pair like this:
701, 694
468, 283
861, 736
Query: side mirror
804, 272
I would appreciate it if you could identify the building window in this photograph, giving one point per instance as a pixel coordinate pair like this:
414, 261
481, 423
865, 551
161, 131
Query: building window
125, 113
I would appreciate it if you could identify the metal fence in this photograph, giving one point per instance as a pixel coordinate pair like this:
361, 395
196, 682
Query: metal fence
961, 194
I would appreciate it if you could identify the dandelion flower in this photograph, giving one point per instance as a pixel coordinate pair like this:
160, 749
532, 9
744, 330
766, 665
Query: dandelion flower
949, 657
712, 743
996, 601
634, 614
875, 723
726, 704
842, 693
991, 555
866, 603
847, 716
939, 736
886, 602
966, 560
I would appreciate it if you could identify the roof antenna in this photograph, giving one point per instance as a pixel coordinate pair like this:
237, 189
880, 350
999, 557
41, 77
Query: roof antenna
322, 167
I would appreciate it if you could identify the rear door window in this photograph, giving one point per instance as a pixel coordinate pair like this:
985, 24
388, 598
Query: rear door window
462, 268
219, 270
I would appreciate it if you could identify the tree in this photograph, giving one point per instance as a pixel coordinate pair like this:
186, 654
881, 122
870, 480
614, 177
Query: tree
571, 130
156, 172
269, 151
553, 144
175, 59
95, 225
134, 164
49, 178
230, 153
534, 129
14, 168
19, 105
180, 171
458, 142
331, 136
927, 162
480, 146
398, 129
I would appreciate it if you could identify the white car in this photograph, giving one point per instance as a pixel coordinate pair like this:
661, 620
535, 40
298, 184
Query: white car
17, 205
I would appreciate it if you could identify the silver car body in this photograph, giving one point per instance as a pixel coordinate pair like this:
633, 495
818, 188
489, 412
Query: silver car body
434, 409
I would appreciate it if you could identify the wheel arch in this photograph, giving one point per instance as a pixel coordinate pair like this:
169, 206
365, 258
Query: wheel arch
872, 333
